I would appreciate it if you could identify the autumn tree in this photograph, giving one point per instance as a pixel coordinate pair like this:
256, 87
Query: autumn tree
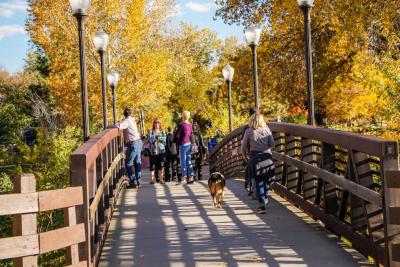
135, 28
351, 41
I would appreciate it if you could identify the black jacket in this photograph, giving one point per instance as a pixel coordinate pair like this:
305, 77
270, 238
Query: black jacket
171, 146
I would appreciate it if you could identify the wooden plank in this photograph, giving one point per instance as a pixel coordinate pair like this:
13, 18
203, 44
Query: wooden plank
356, 189
395, 252
102, 185
11, 204
70, 220
79, 264
25, 224
61, 198
363, 143
79, 177
19, 246
394, 215
392, 179
61, 238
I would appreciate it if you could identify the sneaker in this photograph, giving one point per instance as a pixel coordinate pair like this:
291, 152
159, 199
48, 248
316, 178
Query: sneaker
138, 185
184, 181
261, 210
152, 182
190, 180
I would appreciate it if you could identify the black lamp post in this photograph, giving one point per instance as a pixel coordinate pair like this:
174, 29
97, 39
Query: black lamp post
113, 78
306, 6
228, 72
80, 10
252, 36
101, 41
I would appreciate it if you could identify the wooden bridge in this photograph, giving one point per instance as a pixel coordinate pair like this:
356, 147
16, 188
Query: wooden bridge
336, 203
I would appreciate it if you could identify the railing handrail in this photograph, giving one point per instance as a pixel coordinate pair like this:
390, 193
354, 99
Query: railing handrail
364, 143
97, 166
349, 181
87, 153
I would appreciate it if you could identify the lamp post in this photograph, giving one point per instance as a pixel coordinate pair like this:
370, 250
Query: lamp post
252, 36
113, 78
80, 10
101, 41
306, 6
228, 72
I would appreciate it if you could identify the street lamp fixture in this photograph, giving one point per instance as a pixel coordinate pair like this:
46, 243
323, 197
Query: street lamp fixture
228, 72
101, 42
306, 6
113, 78
252, 36
80, 10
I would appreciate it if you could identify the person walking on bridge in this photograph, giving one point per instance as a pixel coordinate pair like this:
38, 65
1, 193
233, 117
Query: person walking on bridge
200, 152
171, 162
157, 140
183, 134
134, 145
256, 147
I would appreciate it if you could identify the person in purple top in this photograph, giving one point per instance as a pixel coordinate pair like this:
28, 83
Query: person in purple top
183, 134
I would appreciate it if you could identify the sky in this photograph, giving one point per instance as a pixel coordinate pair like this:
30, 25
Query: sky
14, 41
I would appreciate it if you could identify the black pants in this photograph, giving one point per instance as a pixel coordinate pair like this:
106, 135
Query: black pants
196, 162
171, 167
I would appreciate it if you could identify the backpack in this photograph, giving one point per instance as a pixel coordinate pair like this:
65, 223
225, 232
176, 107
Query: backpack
171, 145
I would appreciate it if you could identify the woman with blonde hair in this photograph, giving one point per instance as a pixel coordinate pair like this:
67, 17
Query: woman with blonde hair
256, 147
183, 134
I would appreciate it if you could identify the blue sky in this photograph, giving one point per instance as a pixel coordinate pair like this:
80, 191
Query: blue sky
14, 41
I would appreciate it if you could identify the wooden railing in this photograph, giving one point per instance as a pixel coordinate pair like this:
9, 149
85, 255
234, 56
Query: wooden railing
97, 177
98, 167
26, 243
350, 182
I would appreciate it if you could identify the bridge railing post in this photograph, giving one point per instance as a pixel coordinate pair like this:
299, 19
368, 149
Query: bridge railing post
80, 177
25, 224
391, 197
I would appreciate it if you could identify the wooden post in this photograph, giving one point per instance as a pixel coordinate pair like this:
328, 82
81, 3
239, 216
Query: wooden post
72, 251
309, 155
329, 190
79, 177
391, 197
292, 172
25, 224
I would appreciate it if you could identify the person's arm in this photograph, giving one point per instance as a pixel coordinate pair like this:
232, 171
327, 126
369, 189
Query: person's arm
271, 142
245, 144
178, 133
123, 125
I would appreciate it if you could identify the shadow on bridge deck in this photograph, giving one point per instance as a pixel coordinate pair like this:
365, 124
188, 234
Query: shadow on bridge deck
169, 225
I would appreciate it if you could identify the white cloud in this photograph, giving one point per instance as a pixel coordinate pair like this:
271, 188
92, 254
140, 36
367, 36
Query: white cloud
197, 7
8, 9
10, 30
177, 11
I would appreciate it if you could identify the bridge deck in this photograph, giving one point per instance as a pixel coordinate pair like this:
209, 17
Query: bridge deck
169, 225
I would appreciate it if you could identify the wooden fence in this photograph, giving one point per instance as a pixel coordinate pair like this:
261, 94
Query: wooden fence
97, 177
350, 182
26, 243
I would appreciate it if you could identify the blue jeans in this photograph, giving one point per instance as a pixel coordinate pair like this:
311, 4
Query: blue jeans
186, 160
262, 191
133, 159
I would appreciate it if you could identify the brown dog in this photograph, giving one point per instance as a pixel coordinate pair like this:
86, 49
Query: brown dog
216, 184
